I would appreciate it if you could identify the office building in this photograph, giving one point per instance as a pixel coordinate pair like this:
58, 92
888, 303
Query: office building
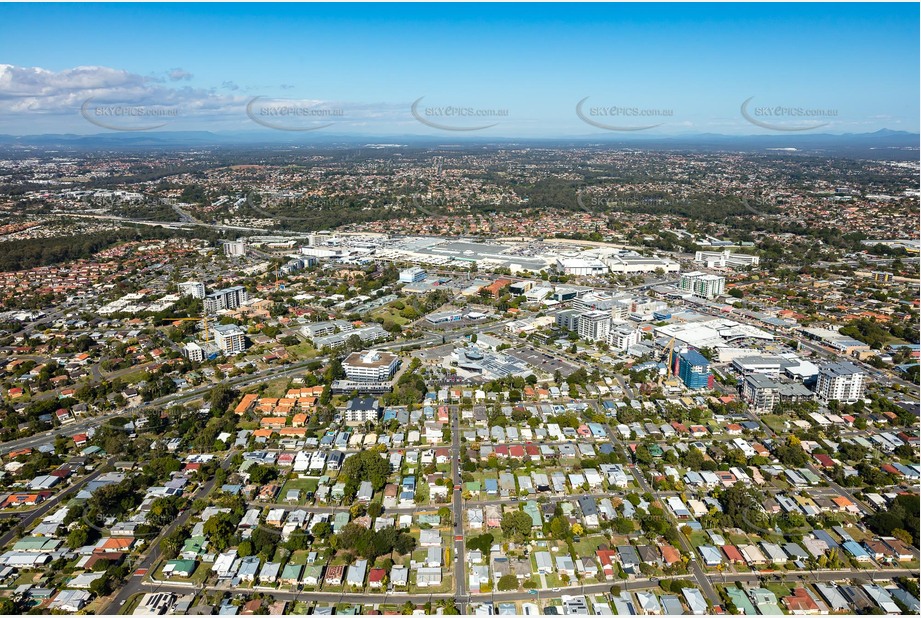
694, 370
229, 338
594, 325
725, 258
764, 365
760, 392
841, 382
322, 329
195, 289
370, 366
598, 301
568, 319
198, 352
623, 336
412, 275
193, 352
629, 264
234, 248
362, 410
703, 285
228, 298
581, 267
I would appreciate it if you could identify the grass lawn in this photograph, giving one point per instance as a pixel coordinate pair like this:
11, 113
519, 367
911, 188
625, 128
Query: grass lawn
133, 378
699, 538
447, 583
300, 608
391, 314
276, 388
302, 351
774, 422
199, 575
26, 578
305, 485
857, 534
780, 589
299, 557
586, 546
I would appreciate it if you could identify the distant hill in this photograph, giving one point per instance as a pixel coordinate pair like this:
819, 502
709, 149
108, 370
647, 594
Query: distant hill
882, 144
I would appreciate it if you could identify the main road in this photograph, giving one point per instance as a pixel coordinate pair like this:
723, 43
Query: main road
148, 560
699, 574
27, 518
524, 595
82, 425
460, 565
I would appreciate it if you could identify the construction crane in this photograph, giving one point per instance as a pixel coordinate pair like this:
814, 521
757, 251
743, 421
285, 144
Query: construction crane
668, 354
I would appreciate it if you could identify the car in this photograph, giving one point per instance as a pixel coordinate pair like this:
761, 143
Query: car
554, 589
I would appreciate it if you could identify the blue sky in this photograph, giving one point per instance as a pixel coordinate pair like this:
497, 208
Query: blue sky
517, 70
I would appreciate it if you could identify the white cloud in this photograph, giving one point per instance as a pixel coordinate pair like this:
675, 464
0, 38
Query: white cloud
33, 96
179, 75
40, 91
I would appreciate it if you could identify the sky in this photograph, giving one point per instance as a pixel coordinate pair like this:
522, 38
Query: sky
494, 70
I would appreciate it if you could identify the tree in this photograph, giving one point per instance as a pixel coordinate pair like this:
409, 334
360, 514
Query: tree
245, 549
163, 511
173, 543
902, 535
102, 586
375, 509
264, 541
742, 507
220, 530
364, 466
260, 475
507, 582
560, 528
482, 542
516, 525
163, 466
221, 397
78, 537
902, 515
622, 525
322, 530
